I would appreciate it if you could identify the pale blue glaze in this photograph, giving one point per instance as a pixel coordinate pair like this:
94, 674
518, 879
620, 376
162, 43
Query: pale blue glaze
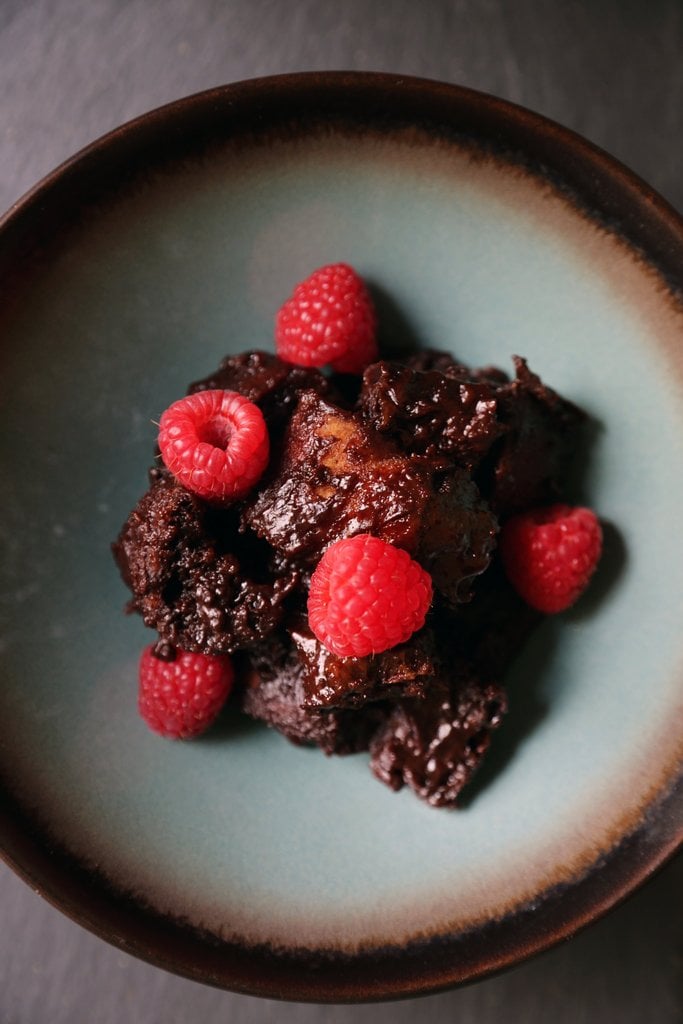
241, 830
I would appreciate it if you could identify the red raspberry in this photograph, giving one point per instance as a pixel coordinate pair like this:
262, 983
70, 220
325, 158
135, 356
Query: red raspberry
367, 596
328, 320
182, 697
215, 443
550, 554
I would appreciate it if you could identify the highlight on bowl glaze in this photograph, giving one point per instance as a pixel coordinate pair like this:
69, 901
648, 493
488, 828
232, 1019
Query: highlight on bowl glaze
240, 860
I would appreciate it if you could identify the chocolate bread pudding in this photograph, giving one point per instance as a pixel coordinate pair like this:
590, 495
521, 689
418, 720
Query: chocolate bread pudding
425, 455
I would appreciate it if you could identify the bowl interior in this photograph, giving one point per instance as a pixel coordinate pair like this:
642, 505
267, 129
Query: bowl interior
242, 834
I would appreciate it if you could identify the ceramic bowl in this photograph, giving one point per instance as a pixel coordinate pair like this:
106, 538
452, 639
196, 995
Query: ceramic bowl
241, 860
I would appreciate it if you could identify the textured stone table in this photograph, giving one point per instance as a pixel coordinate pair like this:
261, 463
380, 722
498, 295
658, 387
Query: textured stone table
613, 70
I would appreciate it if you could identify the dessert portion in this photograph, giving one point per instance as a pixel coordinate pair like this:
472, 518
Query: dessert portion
373, 544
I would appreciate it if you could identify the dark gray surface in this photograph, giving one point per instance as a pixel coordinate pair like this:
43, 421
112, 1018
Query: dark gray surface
624, 969
612, 70
72, 69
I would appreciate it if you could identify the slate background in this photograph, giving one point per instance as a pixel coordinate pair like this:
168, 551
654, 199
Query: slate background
611, 69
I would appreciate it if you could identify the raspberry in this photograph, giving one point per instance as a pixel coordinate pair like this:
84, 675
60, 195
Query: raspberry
329, 319
182, 697
550, 554
215, 443
367, 596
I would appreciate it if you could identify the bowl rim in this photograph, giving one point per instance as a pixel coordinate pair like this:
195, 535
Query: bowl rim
629, 207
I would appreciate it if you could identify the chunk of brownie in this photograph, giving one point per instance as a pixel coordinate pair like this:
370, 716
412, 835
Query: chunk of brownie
338, 477
533, 434
178, 557
491, 630
435, 745
457, 535
329, 681
274, 691
532, 459
431, 413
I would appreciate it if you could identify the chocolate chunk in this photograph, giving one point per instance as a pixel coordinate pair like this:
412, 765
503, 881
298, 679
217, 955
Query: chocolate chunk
178, 557
435, 745
338, 477
429, 413
329, 681
274, 692
491, 630
531, 440
457, 536
532, 460
335, 479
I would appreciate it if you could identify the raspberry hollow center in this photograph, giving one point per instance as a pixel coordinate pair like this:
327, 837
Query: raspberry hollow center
215, 443
216, 432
